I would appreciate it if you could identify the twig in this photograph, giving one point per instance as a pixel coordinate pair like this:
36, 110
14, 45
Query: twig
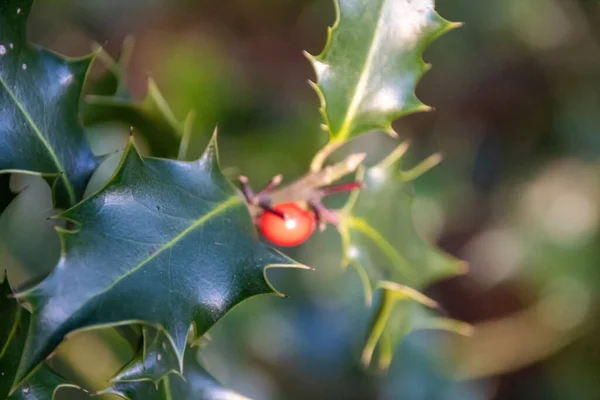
310, 188
306, 187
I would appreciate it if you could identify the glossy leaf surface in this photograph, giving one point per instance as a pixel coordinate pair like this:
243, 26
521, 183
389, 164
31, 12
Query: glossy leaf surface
196, 383
155, 361
39, 96
165, 242
368, 71
44, 385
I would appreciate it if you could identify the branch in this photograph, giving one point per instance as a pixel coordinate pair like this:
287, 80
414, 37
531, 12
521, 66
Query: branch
309, 188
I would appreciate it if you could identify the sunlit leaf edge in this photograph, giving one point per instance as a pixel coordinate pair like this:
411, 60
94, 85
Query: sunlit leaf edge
212, 150
423, 68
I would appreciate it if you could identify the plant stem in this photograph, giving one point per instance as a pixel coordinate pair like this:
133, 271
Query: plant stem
322, 155
421, 168
306, 187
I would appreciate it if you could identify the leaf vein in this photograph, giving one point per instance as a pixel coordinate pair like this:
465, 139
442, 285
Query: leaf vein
199, 222
362, 81
38, 132
383, 244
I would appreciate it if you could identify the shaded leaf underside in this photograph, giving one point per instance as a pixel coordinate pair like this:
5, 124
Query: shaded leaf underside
197, 385
152, 117
380, 239
148, 378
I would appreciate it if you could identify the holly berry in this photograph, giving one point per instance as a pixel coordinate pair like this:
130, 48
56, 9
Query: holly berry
292, 230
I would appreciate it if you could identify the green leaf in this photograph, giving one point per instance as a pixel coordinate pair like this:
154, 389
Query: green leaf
39, 97
372, 62
14, 321
44, 385
380, 240
152, 117
196, 384
400, 311
167, 243
156, 360
378, 233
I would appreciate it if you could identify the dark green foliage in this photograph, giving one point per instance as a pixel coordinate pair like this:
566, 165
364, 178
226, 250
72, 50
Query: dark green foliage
39, 97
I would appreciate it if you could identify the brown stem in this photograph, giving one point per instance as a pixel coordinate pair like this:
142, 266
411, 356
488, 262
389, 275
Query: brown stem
309, 188
306, 187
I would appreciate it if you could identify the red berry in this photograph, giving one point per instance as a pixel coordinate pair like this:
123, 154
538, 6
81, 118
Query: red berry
297, 226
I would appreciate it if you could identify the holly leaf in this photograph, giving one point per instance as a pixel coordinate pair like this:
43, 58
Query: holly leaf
152, 117
151, 376
167, 243
399, 312
113, 82
196, 384
379, 236
156, 360
44, 385
14, 321
39, 96
381, 241
372, 62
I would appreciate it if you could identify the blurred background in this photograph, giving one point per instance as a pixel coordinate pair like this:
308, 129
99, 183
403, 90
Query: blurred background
517, 94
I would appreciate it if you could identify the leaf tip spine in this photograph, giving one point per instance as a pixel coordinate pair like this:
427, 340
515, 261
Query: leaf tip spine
462, 267
308, 56
426, 108
210, 157
291, 265
455, 25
